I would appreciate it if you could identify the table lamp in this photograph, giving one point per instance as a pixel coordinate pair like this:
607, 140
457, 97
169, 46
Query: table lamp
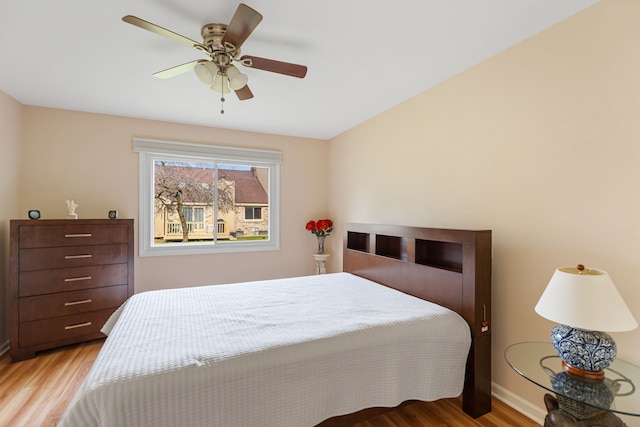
584, 301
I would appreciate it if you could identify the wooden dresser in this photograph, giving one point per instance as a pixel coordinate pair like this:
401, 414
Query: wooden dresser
66, 278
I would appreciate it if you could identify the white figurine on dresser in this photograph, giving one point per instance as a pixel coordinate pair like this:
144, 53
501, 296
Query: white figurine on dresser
71, 209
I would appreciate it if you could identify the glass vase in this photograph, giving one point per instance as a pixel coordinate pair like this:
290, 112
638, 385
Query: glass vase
321, 244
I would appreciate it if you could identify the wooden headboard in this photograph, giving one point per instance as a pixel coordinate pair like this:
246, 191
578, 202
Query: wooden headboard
449, 267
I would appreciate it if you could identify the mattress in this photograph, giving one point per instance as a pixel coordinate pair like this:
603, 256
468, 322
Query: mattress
286, 352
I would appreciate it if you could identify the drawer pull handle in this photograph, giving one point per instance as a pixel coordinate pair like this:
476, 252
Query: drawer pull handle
75, 279
77, 256
84, 301
79, 325
78, 235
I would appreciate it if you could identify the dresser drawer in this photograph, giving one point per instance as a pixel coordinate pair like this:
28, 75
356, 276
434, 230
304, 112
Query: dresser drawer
60, 328
73, 256
78, 234
72, 279
66, 303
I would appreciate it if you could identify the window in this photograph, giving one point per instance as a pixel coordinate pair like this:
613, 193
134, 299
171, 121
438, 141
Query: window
194, 214
252, 213
193, 198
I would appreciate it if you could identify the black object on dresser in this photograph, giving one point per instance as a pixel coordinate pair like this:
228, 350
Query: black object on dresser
66, 278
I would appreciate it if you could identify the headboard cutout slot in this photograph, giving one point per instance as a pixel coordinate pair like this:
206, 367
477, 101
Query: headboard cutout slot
444, 255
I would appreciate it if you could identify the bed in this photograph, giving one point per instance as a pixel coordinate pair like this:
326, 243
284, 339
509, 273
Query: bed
313, 350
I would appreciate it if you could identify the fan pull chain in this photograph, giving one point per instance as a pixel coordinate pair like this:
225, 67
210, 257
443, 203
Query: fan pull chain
222, 97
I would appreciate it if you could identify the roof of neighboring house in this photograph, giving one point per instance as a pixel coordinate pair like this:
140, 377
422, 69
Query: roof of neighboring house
248, 188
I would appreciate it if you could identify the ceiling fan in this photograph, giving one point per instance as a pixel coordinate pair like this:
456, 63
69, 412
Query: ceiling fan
221, 43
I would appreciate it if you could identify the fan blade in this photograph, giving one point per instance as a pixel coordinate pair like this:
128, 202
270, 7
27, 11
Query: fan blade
244, 21
286, 68
146, 25
177, 70
244, 93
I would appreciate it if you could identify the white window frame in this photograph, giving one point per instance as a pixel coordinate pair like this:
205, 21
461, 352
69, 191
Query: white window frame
150, 150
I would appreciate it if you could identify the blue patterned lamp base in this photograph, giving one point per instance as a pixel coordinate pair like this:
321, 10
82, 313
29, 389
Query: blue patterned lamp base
588, 351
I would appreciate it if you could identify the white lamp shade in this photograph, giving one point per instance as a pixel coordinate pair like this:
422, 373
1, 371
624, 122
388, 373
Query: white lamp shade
220, 84
586, 300
206, 71
237, 80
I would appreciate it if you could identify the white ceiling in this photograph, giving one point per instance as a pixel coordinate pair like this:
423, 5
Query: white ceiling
363, 56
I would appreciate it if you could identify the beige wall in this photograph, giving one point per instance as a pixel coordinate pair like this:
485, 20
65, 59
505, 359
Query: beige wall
10, 125
89, 158
541, 144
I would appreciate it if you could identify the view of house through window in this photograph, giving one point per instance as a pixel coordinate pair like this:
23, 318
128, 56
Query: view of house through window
196, 201
202, 199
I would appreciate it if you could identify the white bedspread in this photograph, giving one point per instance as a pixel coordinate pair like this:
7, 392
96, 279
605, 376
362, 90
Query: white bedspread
279, 353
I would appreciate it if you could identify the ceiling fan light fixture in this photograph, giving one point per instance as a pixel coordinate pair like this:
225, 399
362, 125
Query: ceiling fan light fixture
206, 72
220, 84
222, 43
237, 80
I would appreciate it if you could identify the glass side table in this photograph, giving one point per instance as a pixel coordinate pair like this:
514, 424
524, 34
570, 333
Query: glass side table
576, 401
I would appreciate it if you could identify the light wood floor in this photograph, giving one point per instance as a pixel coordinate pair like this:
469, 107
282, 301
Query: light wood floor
35, 393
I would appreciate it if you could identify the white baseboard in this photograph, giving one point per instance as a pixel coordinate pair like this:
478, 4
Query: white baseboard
4, 347
525, 407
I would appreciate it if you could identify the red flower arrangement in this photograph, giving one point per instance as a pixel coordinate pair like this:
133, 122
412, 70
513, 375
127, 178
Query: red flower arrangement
321, 228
